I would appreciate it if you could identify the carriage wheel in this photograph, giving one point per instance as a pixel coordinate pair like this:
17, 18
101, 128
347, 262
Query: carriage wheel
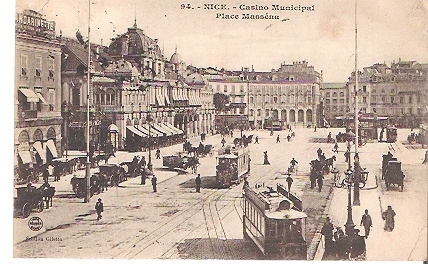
344, 183
26, 210
41, 206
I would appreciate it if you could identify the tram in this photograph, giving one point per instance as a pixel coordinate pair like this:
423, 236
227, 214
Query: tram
274, 221
231, 168
391, 134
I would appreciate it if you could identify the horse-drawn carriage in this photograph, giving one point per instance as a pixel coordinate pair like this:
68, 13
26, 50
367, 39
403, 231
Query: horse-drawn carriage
391, 134
64, 166
243, 141
27, 199
394, 175
180, 161
112, 174
231, 168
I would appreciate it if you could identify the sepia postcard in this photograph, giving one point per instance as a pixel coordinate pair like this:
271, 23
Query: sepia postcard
219, 130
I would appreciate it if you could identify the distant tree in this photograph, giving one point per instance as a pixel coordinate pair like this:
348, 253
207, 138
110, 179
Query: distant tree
221, 102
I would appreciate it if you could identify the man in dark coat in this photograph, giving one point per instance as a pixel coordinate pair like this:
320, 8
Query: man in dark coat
143, 176
320, 178
327, 232
100, 208
366, 221
154, 182
265, 161
289, 182
256, 140
358, 244
277, 139
198, 183
223, 141
388, 216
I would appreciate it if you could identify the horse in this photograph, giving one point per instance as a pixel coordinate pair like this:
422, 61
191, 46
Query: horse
329, 162
48, 193
104, 157
193, 163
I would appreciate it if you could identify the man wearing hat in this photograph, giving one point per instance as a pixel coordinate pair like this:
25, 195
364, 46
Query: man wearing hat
327, 232
100, 208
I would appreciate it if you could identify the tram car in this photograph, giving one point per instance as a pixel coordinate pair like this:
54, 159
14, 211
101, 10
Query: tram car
274, 223
391, 134
231, 168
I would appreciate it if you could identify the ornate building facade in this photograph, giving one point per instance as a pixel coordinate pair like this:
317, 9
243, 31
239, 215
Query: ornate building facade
289, 95
37, 91
398, 92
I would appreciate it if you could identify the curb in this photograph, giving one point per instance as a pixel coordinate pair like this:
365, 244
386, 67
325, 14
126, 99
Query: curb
315, 249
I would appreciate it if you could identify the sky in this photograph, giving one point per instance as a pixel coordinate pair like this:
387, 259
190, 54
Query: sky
325, 38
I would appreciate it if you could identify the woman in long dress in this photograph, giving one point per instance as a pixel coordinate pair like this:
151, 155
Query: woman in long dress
388, 216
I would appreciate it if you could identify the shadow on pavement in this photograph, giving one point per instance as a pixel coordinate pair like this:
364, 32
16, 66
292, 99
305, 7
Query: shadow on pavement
212, 248
208, 182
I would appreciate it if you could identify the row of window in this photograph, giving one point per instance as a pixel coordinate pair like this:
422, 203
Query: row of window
341, 94
37, 66
280, 88
284, 99
226, 88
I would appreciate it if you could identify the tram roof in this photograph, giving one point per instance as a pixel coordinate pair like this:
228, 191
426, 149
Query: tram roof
286, 214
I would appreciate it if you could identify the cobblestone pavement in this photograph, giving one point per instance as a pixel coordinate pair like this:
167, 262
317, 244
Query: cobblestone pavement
176, 222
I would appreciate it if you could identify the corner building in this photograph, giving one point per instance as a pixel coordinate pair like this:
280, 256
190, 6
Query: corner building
37, 91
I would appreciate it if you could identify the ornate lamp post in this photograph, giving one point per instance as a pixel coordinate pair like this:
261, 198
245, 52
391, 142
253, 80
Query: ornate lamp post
356, 161
349, 226
149, 119
88, 163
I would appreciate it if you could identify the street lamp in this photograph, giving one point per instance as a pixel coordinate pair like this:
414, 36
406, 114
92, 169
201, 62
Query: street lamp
88, 163
349, 226
356, 159
148, 119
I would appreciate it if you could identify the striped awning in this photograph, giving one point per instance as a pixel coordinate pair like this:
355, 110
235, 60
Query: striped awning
30, 94
172, 131
153, 132
135, 131
167, 99
25, 157
160, 100
163, 130
39, 149
42, 99
50, 144
179, 131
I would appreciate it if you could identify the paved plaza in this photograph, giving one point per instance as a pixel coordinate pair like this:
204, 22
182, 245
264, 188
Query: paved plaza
178, 223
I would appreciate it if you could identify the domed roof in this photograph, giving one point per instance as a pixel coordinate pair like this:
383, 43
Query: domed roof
138, 43
176, 58
195, 78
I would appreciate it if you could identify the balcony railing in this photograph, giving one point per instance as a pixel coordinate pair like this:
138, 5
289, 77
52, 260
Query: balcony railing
27, 114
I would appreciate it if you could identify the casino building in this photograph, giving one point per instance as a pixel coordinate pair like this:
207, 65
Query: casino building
37, 126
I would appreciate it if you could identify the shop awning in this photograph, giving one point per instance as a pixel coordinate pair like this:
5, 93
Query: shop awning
160, 100
175, 97
179, 131
163, 130
153, 132
39, 149
30, 94
50, 144
135, 131
185, 98
145, 131
25, 156
42, 99
173, 132
167, 99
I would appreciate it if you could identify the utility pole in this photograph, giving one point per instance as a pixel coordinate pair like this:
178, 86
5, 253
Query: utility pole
88, 163
356, 158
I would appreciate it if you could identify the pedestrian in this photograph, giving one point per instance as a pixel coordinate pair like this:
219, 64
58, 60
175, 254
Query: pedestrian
50, 170
319, 152
100, 208
288, 138
381, 134
347, 155
320, 178
45, 176
315, 129
366, 221
329, 137
336, 148
256, 141
388, 217
198, 183
327, 232
223, 141
143, 162
277, 139
154, 181
265, 161
289, 182
143, 176
158, 153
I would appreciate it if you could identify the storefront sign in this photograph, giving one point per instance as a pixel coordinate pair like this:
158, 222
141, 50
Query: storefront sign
33, 23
